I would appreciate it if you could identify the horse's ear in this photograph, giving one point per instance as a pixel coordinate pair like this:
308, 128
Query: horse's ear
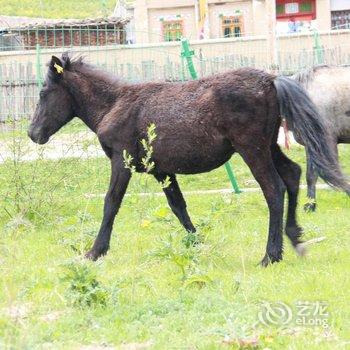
65, 60
56, 66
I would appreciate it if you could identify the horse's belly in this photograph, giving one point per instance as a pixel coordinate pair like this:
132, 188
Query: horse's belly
191, 156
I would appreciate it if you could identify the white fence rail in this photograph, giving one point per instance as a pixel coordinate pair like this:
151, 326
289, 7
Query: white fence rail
18, 69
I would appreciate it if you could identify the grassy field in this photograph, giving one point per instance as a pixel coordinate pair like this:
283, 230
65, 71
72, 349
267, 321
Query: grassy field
154, 290
57, 9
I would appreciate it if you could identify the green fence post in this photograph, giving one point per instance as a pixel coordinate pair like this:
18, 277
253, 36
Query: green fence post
232, 177
318, 49
187, 54
39, 76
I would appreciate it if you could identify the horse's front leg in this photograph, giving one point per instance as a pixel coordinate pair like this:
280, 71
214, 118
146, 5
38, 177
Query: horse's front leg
118, 184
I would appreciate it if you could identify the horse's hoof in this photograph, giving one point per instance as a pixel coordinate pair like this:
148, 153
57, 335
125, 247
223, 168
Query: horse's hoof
94, 254
300, 249
294, 233
267, 260
91, 255
310, 207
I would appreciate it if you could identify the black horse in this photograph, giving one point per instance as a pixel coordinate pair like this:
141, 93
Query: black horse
199, 125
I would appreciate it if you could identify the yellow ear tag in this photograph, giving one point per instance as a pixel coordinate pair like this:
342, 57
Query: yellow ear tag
58, 68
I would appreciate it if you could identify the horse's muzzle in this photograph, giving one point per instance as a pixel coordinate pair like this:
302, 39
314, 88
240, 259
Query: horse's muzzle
37, 136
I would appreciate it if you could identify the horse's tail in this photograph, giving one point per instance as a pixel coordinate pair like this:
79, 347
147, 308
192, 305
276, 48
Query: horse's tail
303, 118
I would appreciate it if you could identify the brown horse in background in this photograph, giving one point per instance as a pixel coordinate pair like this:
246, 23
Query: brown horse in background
199, 125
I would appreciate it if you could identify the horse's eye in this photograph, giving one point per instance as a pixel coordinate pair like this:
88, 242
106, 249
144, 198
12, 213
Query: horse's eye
42, 94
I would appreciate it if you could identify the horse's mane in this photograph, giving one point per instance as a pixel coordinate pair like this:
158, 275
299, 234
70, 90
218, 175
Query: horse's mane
305, 76
78, 64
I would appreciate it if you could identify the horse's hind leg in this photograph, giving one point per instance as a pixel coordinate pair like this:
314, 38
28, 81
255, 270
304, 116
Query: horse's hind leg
260, 162
176, 201
311, 179
290, 173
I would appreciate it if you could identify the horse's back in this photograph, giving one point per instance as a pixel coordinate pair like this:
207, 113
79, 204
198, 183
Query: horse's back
329, 88
199, 122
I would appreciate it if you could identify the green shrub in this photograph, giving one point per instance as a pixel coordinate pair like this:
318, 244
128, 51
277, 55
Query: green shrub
84, 289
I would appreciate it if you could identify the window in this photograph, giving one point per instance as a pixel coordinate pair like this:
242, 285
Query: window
291, 7
279, 10
232, 26
306, 7
172, 30
297, 9
340, 19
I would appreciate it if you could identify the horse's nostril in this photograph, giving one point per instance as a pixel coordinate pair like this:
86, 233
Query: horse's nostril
31, 133
38, 135
34, 134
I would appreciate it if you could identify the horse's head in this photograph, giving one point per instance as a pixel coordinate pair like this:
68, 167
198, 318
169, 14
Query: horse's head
55, 106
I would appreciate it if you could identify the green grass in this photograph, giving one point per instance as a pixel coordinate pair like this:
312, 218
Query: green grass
57, 9
150, 289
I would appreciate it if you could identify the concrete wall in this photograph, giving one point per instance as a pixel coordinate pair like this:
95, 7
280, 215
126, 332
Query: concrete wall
323, 14
141, 21
340, 5
148, 12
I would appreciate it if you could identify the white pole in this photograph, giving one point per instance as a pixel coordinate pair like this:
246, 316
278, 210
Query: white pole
271, 34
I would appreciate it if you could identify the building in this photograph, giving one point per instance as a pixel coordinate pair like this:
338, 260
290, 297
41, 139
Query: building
26, 33
299, 15
340, 14
159, 20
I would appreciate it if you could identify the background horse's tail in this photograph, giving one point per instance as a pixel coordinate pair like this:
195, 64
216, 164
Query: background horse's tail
303, 118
